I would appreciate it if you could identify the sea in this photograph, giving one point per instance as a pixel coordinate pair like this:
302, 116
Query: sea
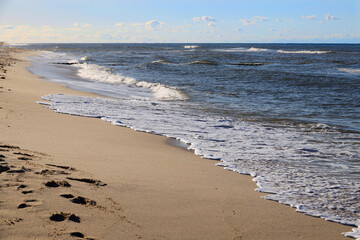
286, 114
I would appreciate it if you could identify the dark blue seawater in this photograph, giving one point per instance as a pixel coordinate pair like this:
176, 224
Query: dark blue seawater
288, 114
298, 82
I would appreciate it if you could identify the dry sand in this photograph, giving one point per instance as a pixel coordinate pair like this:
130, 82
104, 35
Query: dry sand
82, 176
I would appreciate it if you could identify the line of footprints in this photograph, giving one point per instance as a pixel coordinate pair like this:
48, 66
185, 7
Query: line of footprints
53, 170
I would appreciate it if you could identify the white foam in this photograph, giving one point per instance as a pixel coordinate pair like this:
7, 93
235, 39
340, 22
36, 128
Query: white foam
51, 56
73, 61
85, 58
303, 52
163, 62
355, 232
253, 49
104, 74
312, 176
18, 44
191, 46
350, 70
242, 49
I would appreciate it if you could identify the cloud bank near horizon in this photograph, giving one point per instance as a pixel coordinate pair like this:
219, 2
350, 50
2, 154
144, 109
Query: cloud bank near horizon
247, 21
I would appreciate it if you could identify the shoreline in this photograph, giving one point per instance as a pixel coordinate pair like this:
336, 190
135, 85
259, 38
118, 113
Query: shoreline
163, 191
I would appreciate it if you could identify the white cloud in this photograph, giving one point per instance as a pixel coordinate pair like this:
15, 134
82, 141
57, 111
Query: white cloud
254, 20
312, 17
74, 29
341, 36
261, 18
329, 17
196, 19
153, 25
122, 26
248, 22
207, 19
278, 20
138, 24
211, 24
83, 25
204, 19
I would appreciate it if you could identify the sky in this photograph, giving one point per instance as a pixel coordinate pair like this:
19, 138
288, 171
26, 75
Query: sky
168, 21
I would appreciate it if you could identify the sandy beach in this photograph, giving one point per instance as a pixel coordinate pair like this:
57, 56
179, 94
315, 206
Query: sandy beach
68, 177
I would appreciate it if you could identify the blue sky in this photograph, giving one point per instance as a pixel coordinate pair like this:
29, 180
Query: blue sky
194, 21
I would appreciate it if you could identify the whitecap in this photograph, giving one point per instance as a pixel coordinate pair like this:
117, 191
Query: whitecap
350, 70
85, 58
191, 46
303, 52
104, 74
254, 49
242, 49
18, 44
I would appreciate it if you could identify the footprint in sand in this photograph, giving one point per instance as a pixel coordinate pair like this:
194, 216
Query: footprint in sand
21, 186
61, 216
80, 235
9, 147
23, 205
62, 167
13, 221
79, 200
23, 154
24, 158
51, 172
27, 192
21, 170
4, 168
53, 183
67, 195
88, 180
77, 234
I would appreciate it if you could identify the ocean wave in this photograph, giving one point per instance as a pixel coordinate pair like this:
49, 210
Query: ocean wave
85, 58
18, 44
253, 49
191, 46
350, 70
161, 61
104, 74
248, 64
303, 52
206, 62
242, 49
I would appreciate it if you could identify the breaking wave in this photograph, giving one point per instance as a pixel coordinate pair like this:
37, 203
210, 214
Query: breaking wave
206, 62
104, 74
242, 49
191, 46
85, 58
303, 52
350, 70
